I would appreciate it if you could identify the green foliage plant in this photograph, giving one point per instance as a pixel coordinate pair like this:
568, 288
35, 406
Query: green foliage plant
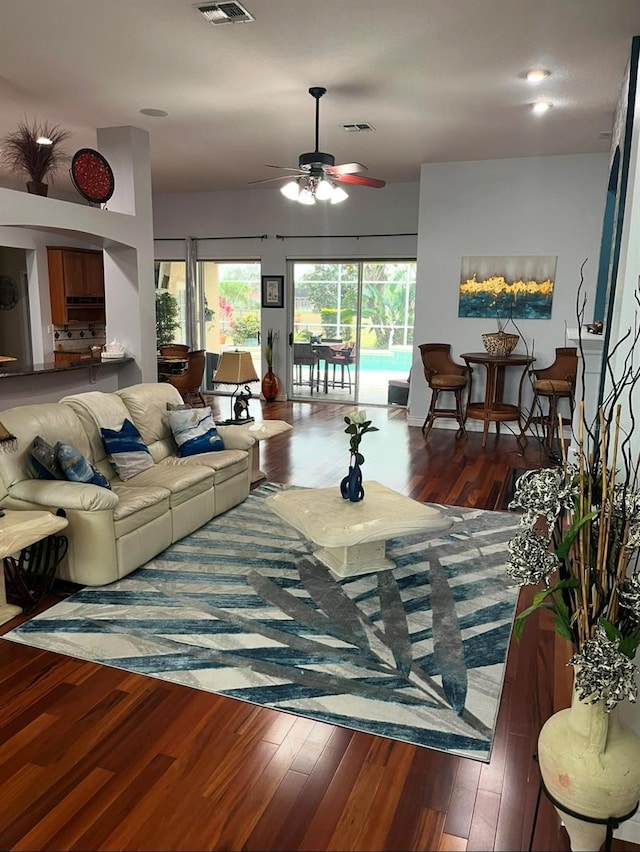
245, 328
167, 311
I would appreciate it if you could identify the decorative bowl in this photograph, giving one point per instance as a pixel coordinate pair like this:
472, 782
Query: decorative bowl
500, 343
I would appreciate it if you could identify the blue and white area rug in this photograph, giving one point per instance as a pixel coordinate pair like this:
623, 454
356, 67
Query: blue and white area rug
242, 608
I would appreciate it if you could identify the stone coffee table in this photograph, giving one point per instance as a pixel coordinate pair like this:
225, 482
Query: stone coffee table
352, 536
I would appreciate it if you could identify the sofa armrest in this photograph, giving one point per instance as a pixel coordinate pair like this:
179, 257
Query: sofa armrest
235, 437
63, 495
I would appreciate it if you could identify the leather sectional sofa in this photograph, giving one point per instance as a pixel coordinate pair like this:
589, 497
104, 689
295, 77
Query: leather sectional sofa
113, 531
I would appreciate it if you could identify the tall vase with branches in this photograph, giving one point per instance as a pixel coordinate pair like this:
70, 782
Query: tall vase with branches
580, 541
270, 382
34, 149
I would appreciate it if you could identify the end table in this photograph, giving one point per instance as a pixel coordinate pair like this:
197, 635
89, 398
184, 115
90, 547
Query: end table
19, 532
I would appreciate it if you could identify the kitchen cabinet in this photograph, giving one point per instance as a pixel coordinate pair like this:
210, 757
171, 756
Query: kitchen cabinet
76, 286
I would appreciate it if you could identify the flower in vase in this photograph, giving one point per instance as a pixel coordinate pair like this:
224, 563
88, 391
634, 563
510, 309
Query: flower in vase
357, 426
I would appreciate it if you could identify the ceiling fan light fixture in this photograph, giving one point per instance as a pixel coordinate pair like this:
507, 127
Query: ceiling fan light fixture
306, 196
291, 190
324, 189
338, 195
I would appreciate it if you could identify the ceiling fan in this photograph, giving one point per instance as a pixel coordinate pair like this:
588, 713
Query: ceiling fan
317, 174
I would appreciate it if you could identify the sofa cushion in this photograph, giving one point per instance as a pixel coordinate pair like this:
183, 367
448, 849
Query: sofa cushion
77, 468
45, 460
49, 420
147, 409
225, 464
182, 483
127, 451
138, 506
194, 431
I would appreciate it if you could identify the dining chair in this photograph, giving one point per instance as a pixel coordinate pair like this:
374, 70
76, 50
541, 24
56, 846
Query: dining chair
189, 383
443, 375
173, 350
304, 355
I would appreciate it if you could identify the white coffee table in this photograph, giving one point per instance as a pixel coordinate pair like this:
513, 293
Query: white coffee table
352, 536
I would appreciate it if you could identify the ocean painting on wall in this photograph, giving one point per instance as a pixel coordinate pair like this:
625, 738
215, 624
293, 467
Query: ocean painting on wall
503, 288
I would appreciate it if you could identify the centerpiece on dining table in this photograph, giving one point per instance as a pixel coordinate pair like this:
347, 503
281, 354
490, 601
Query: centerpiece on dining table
357, 426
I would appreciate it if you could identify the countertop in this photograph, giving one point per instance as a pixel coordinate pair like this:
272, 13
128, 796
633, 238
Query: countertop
23, 369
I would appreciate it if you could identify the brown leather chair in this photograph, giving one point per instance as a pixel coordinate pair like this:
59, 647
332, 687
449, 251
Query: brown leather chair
189, 382
554, 383
443, 375
173, 350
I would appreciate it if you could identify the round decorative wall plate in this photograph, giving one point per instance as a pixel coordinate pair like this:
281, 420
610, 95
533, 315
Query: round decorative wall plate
92, 176
8, 293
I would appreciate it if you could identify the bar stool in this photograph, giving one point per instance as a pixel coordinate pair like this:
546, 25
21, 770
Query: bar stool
443, 375
554, 383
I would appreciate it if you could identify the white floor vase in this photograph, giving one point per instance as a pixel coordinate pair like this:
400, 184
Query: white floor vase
590, 763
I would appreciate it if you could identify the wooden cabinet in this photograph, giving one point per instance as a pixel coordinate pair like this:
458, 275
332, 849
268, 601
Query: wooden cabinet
76, 286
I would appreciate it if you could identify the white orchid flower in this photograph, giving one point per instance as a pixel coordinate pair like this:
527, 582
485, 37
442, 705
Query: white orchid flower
357, 417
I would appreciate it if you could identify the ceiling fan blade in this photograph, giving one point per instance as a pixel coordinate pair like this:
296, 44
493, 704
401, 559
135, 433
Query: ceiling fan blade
269, 180
285, 168
360, 180
346, 169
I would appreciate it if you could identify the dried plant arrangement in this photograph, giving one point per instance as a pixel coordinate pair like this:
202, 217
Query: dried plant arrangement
24, 151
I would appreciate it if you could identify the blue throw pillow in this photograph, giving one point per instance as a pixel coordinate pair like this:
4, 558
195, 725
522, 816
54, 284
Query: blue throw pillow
45, 460
194, 431
77, 468
127, 451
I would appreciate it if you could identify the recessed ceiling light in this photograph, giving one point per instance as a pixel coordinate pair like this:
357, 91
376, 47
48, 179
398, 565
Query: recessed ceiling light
43, 140
536, 75
155, 113
541, 106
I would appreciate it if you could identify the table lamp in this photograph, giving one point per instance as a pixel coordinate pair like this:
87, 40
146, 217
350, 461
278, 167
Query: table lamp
236, 368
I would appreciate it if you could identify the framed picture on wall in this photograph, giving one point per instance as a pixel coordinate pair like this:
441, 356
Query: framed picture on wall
273, 291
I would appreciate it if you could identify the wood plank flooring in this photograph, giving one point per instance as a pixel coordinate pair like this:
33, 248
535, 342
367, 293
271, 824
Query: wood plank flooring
92, 758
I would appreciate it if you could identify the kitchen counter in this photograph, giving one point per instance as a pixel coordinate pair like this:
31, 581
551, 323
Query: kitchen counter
15, 368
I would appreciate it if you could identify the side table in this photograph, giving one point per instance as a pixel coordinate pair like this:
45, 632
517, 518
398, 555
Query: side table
19, 532
261, 432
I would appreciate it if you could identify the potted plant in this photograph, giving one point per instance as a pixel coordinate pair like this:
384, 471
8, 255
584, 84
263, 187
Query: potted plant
167, 311
35, 151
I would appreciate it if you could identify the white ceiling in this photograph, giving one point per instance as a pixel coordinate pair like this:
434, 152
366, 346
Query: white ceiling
440, 80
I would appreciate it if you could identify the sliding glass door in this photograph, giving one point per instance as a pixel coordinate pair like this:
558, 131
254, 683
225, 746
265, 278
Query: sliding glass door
354, 319
224, 302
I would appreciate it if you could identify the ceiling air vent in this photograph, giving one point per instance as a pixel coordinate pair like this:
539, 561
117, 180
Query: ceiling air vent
357, 128
225, 13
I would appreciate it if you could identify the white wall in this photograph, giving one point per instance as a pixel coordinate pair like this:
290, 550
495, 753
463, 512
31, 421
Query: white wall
530, 206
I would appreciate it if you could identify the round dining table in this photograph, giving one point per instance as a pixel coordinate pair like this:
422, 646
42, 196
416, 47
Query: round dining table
493, 409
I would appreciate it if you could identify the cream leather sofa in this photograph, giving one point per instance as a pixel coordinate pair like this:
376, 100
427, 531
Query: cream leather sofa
113, 532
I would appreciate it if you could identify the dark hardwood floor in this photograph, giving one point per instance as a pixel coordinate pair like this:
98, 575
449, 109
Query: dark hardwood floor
92, 758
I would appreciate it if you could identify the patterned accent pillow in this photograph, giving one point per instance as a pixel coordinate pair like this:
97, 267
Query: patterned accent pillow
44, 460
127, 451
194, 431
77, 468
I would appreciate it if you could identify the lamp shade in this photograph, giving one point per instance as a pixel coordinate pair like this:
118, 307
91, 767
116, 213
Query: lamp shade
235, 368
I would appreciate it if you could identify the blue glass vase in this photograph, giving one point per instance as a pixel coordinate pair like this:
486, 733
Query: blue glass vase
351, 486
